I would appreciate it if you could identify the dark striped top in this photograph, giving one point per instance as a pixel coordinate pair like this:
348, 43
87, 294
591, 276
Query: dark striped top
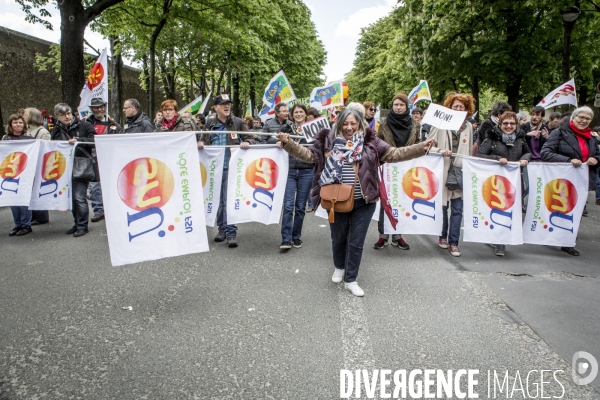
348, 178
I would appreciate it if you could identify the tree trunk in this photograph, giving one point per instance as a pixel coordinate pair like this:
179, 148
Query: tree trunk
236, 95
116, 90
219, 89
1, 121
153, 38
583, 95
513, 91
72, 28
475, 90
149, 110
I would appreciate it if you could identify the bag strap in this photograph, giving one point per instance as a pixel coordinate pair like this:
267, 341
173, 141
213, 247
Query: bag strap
86, 153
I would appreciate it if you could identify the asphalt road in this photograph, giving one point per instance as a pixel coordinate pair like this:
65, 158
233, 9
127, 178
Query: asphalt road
257, 323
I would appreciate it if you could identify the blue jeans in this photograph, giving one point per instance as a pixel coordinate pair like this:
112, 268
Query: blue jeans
456, 208
21, 216
96, 198
348, 234
81, 211
297, 189
230, 230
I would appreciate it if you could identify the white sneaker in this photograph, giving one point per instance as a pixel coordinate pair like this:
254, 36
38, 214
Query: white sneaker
354, 288
338, 275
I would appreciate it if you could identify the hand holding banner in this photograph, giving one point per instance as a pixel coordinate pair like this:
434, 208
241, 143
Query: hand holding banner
444, 118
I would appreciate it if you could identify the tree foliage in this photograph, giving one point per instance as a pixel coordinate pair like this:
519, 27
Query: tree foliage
510, 48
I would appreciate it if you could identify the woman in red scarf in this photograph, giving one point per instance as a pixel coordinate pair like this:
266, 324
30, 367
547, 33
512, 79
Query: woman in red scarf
171, 121
573, 142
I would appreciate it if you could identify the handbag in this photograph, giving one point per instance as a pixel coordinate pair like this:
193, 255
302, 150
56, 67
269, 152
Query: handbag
85, 168
454, 180
338, 197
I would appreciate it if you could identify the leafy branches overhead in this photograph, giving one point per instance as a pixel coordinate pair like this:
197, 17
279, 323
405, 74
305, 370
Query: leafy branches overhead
513, 49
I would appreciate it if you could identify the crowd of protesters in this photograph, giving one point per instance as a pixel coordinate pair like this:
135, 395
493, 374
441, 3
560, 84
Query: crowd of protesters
351, 152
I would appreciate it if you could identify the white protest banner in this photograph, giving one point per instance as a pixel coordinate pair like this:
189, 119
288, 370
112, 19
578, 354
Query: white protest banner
414, 189
52, 185
564, 94
311, 128
444, 118
96, 85
557, 195
256, 185
17, 170
211, 171
152, 192
492, 202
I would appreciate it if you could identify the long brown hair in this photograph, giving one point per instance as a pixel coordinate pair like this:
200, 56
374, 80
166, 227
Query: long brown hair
13, 117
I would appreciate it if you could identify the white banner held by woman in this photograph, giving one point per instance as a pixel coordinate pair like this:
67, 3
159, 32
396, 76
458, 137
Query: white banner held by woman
444, 118
557, 195
211, 171
52, 185
18, 160
492, 202
414, 189
256, 185
152, 192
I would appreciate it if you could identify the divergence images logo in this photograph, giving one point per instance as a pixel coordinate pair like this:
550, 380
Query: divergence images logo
54, 165
421, 185
560, 197
11, 167
582, 361
146, 185
499, 194
261, 175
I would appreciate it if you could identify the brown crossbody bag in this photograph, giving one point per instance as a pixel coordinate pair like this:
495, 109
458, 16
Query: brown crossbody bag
338, 197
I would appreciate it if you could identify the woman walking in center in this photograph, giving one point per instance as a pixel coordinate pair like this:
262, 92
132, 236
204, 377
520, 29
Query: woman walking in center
350, 154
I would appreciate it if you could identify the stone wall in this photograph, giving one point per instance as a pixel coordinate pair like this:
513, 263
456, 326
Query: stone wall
22, 85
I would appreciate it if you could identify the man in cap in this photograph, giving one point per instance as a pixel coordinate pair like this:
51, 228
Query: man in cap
224, 121
103, 124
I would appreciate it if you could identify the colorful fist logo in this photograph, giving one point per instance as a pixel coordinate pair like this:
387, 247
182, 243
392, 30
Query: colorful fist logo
262, 174
53, 166
498, 192
13, 165
144, 183
420, 183
95, 77
560, 196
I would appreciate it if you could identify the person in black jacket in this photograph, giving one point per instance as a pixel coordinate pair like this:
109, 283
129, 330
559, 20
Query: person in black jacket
505, 143
135, 119
73, 130
299, 182
490, 123
573, 142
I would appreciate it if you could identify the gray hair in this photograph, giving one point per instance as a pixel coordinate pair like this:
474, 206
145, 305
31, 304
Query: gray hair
34, 117
339, 122
62, 108
358, 107
584, 109
521, 116
134, 103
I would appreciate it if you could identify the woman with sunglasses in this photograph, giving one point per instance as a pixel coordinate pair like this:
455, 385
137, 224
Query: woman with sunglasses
505, 143
573, 142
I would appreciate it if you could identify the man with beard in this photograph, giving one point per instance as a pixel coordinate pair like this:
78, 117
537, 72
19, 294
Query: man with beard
398, 129
536, 132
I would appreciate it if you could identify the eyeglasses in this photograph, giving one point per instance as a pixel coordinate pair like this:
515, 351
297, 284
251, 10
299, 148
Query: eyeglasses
168, 109
508, 123
583, 118
67, 114
372, 109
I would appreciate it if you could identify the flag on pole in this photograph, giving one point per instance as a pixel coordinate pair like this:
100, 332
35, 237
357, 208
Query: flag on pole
328, 96
96, 85
418, 93
197, 106
248, 112
378, 113
564, 94
278, 90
